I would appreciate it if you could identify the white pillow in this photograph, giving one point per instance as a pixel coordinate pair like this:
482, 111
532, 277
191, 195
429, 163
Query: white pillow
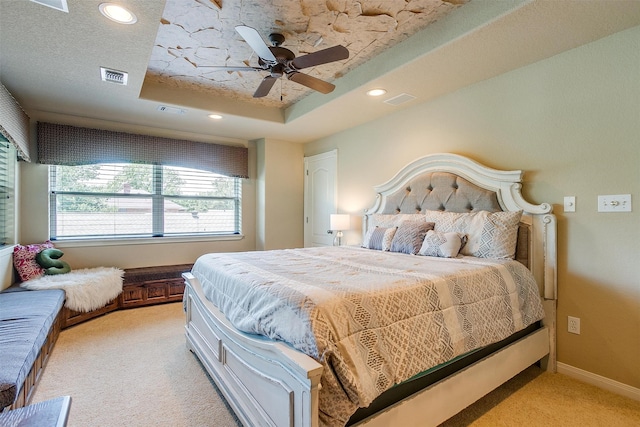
444, 245
392, 220
489, 234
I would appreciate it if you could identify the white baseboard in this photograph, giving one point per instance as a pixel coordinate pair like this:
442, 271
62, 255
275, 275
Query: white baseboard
599, 381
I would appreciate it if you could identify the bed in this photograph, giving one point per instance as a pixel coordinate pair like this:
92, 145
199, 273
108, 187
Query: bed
291, 340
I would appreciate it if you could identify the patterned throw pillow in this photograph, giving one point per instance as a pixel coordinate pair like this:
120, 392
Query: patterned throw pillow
379, 238
387, 221
443, 245
409, 236
489, 234
24, 260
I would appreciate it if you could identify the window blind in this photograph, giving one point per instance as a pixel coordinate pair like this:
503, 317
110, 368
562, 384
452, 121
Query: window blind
73, 146
14, 124
138, 200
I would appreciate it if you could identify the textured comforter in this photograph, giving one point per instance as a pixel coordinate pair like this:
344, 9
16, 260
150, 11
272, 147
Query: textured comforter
372, 319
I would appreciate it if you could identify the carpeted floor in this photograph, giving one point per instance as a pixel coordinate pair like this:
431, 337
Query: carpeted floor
132, 368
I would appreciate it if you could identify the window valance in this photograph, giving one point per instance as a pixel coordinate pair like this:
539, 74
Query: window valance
14, 123
72, 146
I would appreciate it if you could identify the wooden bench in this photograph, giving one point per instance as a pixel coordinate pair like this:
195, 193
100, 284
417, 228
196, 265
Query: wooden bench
141, 287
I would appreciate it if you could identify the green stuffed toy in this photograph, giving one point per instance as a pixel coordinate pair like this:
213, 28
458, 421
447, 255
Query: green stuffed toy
48, 259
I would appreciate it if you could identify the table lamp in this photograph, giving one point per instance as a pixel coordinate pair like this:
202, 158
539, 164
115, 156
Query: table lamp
338, 223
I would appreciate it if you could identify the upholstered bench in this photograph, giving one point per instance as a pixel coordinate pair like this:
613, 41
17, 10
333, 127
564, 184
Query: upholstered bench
29, 326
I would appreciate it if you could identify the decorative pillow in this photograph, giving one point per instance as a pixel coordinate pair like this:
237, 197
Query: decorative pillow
444, 245
24, 260
379, 238
489, 234
388, 221
48, 260
409, 236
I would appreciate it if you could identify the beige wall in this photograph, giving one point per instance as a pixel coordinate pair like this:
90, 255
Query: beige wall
279, 195
572, 122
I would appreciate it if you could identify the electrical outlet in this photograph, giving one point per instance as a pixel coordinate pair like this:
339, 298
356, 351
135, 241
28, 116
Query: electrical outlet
573, 325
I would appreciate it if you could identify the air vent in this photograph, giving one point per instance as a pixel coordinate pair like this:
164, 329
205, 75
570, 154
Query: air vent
60, 5
171, 110
400, 99
113, 76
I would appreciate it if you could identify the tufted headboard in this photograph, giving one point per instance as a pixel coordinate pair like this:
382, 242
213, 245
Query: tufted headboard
442, 191
450, 182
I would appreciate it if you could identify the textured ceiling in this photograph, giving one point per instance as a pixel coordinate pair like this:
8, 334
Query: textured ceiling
197, 33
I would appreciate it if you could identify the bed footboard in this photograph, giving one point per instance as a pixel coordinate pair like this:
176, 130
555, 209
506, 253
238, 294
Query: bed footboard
265, 382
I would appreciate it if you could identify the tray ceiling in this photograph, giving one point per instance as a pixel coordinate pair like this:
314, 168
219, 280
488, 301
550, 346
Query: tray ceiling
197, 33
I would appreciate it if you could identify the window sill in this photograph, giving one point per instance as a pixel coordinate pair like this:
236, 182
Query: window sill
6, 250
76, 243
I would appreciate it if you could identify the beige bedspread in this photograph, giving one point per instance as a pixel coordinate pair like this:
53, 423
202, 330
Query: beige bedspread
372, 319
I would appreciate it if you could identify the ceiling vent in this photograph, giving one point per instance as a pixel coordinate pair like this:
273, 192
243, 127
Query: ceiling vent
171, 110
60, 5
400, 99
114, 76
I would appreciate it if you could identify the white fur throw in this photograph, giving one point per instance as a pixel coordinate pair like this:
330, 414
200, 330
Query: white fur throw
86, 289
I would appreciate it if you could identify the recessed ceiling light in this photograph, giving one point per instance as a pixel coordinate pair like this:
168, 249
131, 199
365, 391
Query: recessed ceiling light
215, 116
376, 92
117, 13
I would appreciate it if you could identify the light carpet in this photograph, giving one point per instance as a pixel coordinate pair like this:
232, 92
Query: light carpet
132, 368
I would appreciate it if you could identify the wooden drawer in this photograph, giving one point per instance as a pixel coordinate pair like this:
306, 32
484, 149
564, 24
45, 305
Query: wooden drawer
151, 292
72, 317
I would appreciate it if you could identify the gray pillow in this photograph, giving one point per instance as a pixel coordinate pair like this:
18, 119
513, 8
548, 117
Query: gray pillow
379, 238
409, 236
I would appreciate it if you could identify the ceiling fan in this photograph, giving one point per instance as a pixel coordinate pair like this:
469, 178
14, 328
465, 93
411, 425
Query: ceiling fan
280, 61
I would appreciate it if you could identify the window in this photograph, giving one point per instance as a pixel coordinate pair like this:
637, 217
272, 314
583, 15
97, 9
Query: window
7, 199
139, 200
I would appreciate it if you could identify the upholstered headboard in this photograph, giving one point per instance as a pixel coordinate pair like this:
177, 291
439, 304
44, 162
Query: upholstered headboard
450, 182
442, 191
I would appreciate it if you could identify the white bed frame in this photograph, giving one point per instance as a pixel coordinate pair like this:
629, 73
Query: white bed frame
268, 383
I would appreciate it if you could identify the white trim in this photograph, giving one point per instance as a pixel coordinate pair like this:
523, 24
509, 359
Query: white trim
124, 241
599, 381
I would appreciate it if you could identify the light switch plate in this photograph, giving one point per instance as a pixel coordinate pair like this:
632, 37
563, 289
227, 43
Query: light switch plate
569, 203
614, 203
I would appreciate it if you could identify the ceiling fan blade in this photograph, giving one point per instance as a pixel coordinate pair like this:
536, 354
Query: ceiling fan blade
265, 86
311, 82
253, 39
331, 54
223, 68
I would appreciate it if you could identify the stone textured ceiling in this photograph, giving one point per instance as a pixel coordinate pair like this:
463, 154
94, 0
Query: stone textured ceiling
197, 33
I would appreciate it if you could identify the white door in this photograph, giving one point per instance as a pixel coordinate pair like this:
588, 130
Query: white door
320, 197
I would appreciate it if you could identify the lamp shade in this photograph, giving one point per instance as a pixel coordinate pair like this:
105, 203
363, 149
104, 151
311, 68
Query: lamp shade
340, 222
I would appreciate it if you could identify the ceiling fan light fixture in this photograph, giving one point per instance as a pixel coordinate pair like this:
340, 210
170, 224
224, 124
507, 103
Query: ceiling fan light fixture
376, 92
117, 13
214, 116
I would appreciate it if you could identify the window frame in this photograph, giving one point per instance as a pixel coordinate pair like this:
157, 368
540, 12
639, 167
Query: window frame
157, 235
8, 161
